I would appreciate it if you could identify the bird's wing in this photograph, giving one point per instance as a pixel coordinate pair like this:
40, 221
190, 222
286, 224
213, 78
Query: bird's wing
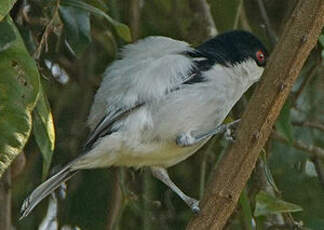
147, 70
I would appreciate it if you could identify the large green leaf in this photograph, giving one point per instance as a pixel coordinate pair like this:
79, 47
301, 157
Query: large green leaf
267, 204
5, 7
43, 130
19, 86
76, 27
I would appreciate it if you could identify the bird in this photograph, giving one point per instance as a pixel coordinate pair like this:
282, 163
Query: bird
160, 102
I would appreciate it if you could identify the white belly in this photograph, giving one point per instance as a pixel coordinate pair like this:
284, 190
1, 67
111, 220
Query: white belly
116, 151
157, 154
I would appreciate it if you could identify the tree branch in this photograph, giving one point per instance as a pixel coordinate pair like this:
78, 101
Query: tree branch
134, 18
270, 31
116, 202
298, 38
306, 80
238, 14
314, 151
201, 16
47, 31
315, 125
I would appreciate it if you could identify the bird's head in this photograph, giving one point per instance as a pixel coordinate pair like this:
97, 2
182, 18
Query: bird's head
237, 50
234, 47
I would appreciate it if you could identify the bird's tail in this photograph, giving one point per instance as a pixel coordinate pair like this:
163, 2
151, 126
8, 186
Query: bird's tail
45, 189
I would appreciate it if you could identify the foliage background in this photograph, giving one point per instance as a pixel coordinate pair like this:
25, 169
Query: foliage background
73, 41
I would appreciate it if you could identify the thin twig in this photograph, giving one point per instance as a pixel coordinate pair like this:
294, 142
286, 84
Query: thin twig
273, 36
314, 151
309, 124
319, 170
134, 18
147, 190
309, 76
238, 14
43, 40
201, 9
203, 166
116, 202
244, 21
295, 226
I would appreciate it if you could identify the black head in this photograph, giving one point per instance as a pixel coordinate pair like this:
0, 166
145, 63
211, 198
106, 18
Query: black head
232, 48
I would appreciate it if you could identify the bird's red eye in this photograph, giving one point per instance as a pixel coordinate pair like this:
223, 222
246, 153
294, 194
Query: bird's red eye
260, 57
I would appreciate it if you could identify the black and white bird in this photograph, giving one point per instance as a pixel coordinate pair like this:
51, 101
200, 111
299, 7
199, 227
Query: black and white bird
161, 102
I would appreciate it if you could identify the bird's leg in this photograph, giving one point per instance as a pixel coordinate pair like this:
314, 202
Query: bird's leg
187, 139
162, 175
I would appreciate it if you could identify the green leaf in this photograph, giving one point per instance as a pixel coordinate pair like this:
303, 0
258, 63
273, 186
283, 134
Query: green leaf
43, 130
5, 7
321, 40
98, 4
246, 209
283, 124
267, 171
76, 27
121, 29
7, 36
267, 204
19, 86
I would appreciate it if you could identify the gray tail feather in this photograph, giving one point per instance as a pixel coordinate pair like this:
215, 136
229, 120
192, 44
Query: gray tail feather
45, 189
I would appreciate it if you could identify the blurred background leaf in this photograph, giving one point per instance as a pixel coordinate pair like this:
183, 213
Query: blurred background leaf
121, 29
267, 204
43, 130
77, 28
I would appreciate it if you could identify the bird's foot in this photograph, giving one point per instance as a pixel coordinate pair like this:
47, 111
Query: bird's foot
228, 135
185, 139
230, 130
194, 205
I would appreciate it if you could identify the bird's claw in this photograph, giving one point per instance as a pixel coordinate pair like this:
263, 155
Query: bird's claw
194, 205
229, 131
195, 208
228, 135
185, 139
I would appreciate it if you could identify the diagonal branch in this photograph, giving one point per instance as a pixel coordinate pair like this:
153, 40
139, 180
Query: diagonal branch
298, 39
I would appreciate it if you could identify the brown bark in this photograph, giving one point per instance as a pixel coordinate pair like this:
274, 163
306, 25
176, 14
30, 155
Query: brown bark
134, 18
116, 202
297, 40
